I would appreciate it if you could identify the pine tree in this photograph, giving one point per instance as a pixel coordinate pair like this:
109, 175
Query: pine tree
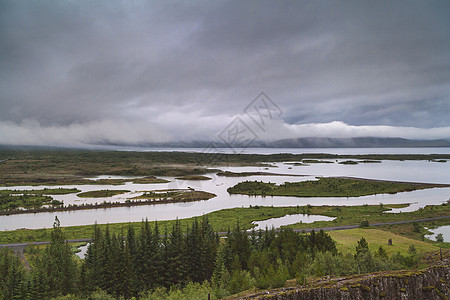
194, 254
92, 275
240, 246
149, 268
157, 265
210, 244
113, 266
12, 274
176, 256
132, 253
141, 261
362, 247
221, 275
58, 264
325, 243
381, 253
105, 268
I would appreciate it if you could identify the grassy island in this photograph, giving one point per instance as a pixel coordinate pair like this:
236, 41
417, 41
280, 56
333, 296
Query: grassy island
101, 193
327, 187
176, 195
13, 200
149, 179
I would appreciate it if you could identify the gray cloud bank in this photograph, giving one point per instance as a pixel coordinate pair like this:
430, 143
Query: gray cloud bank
83, 72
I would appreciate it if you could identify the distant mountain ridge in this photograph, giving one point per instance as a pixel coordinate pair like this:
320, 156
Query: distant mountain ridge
309, 142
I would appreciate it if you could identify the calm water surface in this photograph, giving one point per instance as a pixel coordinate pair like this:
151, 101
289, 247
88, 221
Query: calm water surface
290, 219
445, 230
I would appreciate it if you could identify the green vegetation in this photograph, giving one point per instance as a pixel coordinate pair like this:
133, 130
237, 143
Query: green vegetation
183, 259
13, 202
190, 261
12, 273
102, 193
327, 187
194, 177
418, 231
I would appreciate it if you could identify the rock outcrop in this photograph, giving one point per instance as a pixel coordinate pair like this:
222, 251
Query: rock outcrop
429, 283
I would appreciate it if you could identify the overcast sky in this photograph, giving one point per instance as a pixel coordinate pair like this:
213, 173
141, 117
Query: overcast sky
83, 72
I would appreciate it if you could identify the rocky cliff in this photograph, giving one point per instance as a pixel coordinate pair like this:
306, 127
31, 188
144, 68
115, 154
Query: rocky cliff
429, 283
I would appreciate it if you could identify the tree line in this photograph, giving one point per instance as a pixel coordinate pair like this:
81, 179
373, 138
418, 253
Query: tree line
150, 264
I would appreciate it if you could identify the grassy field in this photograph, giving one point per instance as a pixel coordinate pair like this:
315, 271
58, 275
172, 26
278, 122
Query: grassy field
418, 231
327, 187
224, 219
347, 240
101, 193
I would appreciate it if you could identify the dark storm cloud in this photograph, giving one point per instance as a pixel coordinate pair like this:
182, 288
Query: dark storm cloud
185, 69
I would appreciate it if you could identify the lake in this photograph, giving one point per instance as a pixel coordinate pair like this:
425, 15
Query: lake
418, 171
290, 219
445, 230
